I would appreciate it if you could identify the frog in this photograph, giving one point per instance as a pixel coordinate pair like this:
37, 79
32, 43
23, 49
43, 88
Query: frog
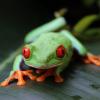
48, 51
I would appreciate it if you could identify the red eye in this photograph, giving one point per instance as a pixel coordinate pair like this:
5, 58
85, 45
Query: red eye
26, 52
60, 51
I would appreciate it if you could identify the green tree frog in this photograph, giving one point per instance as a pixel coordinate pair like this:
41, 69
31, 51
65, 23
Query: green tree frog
48, 51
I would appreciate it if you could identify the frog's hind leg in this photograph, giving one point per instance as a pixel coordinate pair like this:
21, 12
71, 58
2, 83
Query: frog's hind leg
82, 51
48, 27
92, 59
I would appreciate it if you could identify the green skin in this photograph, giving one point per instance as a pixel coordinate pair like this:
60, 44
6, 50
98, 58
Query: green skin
43, 51
43, 43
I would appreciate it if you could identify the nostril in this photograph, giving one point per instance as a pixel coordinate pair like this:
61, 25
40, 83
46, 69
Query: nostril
49, 58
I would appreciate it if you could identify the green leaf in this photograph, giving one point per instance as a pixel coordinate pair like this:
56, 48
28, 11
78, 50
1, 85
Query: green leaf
84, 23
90, 34
98, 3
88, 2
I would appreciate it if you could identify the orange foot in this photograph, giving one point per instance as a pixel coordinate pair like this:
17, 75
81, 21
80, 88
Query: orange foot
19, 76
58, 79
49, 72
92, 59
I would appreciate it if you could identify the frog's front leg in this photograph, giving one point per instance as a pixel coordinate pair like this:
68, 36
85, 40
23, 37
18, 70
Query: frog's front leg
18, 74
51, 72
57, 76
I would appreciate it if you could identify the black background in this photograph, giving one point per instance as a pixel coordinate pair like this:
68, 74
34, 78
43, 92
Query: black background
17, 17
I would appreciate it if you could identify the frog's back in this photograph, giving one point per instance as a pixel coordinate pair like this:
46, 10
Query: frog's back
52, 38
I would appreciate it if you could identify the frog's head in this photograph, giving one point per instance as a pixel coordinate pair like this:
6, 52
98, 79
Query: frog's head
49, 50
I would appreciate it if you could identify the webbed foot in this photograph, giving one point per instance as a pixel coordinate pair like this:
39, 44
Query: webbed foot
19, 76
92, 59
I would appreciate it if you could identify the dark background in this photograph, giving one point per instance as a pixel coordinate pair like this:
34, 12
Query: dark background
17, 17
20, 16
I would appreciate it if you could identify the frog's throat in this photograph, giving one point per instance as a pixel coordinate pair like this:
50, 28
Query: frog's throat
47, 67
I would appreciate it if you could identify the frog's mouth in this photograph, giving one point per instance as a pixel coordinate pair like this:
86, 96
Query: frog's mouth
47, 66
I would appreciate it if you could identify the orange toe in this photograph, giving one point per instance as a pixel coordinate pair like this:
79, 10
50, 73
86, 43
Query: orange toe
92, 59
30, 75
33, 78
21, 83
3, 84
58, 79
41, 78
